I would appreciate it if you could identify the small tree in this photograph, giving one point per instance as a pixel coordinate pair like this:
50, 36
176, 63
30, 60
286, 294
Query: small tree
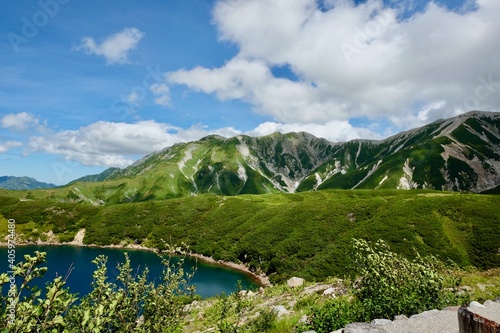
30, 312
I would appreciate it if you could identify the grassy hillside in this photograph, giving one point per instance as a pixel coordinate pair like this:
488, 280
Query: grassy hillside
305, 234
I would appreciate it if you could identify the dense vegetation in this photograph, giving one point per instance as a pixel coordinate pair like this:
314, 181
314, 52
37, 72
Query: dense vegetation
305, 234
385, 284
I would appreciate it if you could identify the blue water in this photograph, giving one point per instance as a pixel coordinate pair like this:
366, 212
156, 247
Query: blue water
210, 280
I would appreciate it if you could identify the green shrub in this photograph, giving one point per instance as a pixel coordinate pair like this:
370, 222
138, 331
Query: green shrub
132, 305
389, 284
264, 322
334, 314
31, 313
386, 284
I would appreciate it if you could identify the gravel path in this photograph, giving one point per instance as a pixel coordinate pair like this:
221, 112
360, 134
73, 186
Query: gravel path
433, 321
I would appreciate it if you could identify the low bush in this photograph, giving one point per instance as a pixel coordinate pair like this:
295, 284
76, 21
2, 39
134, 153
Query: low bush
387, 284
390, 284
335, 314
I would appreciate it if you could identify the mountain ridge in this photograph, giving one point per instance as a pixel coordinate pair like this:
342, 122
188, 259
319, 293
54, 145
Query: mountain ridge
23, 183
457, 154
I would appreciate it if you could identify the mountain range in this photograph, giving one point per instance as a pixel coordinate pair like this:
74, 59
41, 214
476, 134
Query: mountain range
22, 183
456, 154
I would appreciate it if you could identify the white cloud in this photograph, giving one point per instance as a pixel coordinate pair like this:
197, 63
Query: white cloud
162, 93
114, 48
5, 147
20, 121
252, 81
334, 131
354, 61
117, 144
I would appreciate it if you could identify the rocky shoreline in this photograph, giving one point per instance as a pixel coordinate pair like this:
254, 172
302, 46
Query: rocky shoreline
260, 279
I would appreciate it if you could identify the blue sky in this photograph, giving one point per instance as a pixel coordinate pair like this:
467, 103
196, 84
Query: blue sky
89, 85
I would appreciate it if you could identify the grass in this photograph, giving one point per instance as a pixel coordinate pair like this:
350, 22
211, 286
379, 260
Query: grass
304, 234
482, 286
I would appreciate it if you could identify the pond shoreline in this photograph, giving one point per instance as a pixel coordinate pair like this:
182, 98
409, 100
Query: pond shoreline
261, 279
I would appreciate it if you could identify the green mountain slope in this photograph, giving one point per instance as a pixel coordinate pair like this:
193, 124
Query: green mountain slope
459, 154
456, 154
305, 234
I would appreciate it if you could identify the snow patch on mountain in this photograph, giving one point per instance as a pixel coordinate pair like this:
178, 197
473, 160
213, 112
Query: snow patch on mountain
372, 170
406, 181
188, 155
382, 181
242, 173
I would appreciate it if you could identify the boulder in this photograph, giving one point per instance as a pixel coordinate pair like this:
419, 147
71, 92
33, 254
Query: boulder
329, 292
295, 282
475, 304
246, 293
303, 319
362, 328
280, 311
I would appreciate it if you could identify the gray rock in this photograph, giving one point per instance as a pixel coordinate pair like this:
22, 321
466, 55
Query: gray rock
295, 282
362, 328
488, 303
453, 308
492, 311
381, 322
357, 328
424, 314
475, 304
351, 217
246, 293
401, 317
329, 292
433, 322
280, 311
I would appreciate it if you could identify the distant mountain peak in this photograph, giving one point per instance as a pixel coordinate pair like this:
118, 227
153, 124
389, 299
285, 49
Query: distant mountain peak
215, 137
22, 183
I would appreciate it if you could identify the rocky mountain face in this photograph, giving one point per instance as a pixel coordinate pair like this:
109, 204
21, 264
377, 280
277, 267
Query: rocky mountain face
456, 154
22, 183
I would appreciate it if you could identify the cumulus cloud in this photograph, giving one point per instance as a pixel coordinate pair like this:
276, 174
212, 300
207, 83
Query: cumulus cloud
117, 144
252, 81
5, 147
355, 60
20, 121
114, 48
334, 131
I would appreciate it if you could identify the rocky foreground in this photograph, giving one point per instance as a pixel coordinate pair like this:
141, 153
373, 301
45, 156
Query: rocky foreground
433, 321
